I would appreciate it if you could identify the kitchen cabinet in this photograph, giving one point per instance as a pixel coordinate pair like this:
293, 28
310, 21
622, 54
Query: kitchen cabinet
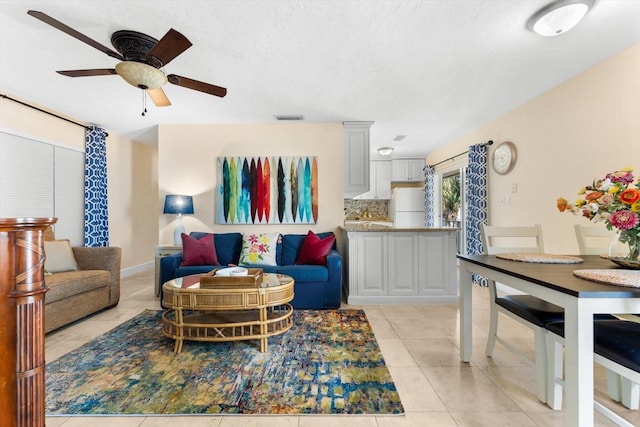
437, 269
356, 158
379, 181
371, 261
400, 266
407, 170
402, 263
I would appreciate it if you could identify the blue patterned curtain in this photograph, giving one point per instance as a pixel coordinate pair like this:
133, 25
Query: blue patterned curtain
476, 193
96, 214
429, 195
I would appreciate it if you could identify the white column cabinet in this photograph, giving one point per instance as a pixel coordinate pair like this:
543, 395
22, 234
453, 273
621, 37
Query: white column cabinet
437, 264
402, 266
407, 170
399, 267
356, 158
371, 264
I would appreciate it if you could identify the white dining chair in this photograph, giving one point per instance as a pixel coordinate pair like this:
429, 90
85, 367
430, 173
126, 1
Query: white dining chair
616, 344
594, 240
525, 309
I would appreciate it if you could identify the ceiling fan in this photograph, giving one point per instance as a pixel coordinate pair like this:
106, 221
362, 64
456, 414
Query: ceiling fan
141, 59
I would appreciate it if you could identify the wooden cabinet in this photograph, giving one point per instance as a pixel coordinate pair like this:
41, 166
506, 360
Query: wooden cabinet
379, 181
400, 267
407, 170
22, 290
356, 158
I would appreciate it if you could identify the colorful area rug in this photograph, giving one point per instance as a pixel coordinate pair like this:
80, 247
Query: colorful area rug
328, 363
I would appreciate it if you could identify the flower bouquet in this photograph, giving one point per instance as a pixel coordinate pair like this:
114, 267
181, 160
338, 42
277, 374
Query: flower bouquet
616, 201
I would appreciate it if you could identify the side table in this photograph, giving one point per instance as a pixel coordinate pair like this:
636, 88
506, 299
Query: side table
162, 251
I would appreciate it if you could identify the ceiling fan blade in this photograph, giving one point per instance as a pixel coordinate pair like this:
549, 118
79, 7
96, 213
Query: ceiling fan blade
197, 85
170, 46
88, 73
73, 33
158, 97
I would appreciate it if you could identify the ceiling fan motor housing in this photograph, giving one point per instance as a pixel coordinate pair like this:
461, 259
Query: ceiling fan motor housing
137, 69
134, 46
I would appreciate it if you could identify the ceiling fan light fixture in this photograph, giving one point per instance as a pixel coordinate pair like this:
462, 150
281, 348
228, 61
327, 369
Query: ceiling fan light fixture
385, 151
559, 17
141, 75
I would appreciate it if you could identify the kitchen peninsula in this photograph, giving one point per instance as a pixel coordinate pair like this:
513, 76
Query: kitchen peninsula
388, 265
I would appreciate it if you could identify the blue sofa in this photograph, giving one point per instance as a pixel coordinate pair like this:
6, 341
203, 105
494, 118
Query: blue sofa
316, 286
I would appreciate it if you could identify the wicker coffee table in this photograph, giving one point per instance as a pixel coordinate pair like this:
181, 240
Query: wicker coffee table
227, 313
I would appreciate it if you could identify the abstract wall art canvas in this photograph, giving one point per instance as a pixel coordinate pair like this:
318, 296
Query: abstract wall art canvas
267, 190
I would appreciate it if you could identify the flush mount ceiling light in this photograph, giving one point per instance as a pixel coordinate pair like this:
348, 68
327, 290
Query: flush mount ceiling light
385, 151
559, 17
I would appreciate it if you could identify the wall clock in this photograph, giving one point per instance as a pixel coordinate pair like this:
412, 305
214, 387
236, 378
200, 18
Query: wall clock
504, 158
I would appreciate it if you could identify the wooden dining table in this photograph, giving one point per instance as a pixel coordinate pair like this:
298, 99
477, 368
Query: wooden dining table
557, 284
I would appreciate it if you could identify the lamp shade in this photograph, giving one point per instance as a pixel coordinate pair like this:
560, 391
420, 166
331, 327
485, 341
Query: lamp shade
177, 204
141, 75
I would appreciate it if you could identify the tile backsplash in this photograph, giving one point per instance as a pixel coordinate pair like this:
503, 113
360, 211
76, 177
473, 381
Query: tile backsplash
353, 209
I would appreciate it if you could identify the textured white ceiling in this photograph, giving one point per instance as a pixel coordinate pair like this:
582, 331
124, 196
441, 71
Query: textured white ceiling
431, 70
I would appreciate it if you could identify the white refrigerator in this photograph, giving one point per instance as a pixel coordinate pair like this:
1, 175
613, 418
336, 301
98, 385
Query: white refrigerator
406, 208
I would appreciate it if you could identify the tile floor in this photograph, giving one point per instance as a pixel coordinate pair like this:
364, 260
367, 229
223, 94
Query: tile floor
420, 346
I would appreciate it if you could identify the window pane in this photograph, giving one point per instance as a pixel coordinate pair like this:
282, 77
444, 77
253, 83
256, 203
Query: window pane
451, 201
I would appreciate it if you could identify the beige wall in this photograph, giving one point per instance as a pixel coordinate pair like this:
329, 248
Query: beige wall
133, 201
566, 137
23, 119
131, 175
187, 165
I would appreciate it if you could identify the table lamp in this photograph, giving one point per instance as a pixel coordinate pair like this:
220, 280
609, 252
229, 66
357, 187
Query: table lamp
177, 204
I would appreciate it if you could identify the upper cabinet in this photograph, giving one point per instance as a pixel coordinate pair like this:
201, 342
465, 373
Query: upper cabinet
380, 181
356, 158
407, 170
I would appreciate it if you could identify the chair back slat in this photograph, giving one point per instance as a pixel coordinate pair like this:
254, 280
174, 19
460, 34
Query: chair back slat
499, 239
593, 240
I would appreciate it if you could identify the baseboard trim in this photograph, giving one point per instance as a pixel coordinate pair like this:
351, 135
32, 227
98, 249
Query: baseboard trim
415, 299
130, 271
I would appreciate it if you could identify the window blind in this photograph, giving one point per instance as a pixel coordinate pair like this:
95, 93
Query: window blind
42, 179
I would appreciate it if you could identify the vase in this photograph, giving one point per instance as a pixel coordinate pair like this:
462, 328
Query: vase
624, 249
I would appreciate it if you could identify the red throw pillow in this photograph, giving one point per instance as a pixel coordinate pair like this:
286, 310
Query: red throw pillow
315, 250
198, 251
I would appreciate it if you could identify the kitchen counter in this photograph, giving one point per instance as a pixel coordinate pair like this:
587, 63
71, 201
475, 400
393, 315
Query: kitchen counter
373, 226
397, 265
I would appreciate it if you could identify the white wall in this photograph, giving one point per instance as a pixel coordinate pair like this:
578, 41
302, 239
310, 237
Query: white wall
187, 165
580, 130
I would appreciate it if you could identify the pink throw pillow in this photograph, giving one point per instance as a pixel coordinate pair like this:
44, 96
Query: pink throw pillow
198, 251
315, 250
